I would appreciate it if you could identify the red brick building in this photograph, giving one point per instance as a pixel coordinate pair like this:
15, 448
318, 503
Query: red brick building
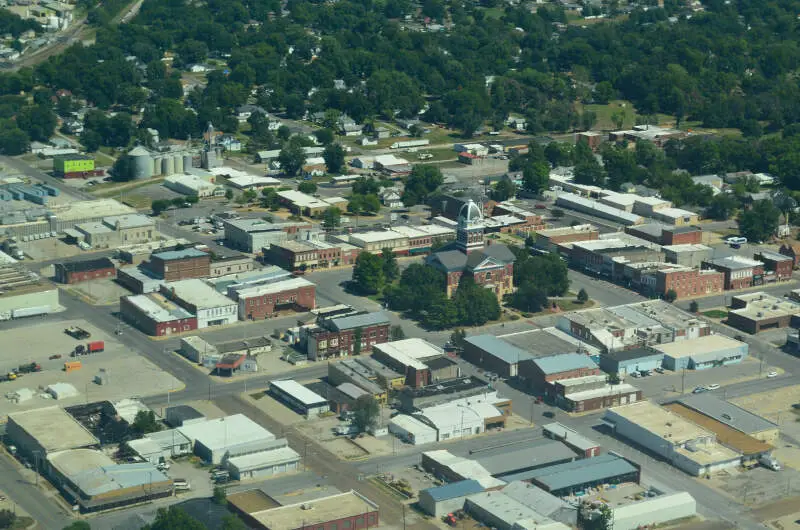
81, 271
264, 301
184, 264
792, 250
335, 336
155, 315
689, 283
311, 255
739, 272
667, 235
777, 266
542, 372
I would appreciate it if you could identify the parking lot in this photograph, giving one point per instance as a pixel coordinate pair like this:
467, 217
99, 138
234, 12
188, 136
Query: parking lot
129, 375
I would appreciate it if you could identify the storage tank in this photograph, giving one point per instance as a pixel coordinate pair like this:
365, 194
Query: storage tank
178, 159
167, 166
156, 166
187, 162
141, 163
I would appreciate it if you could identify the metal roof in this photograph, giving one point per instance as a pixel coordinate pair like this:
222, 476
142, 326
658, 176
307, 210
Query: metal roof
181, 254
530, 495
727, 413
569, 436
603, 467
629, 355
298, 392
117, 477
499, 348
563, 363
359, 321
454, 490
507, 462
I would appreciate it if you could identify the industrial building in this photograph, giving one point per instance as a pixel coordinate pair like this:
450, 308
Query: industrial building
349, 510
511, 464
47, 430
578, 443
441, 500
334, 336
194, 185
252, 235
552, 239
683, 443
139, 280
411, 430
80, 271
411, 357
688, 255
541, 373
349, 372
75, 166
461, 419
159, 446
180, 415
498, 510
155, 315
648, 513
595, 208
756, 312
304, 204
496, 355
625, 362
576, 476
201, 300
251, 182
276, 458
299, 398
145, 163
227, 437
197, 350
229, 283
702, 352
264, 301
175, 265
441, 392
113, 231
733, 416
448, 467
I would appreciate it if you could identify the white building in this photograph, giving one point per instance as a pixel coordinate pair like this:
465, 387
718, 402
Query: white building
654, 512
457, 420
187, 184
210, 307
298, 397
276, 459
411, 430
197, 350
227, 437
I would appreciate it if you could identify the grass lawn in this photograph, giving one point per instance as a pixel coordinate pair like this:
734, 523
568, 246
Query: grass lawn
110, 189
567, 304
494, 12
715, 313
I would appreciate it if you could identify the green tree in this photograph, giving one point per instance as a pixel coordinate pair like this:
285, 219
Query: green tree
457, 337
324, 136
535, 176
439, 312
722, 207
595, 516
145, 422
366, 412
231, 522
334, 158
160, 205
397, 333
423, 181
391, 270
220, 496
7, 518
292, 157
583, 296
503, 190
358, 337
174, 518
475, 305
368, 275
13, 141
229, 194
307, 187
38, 121
670, 296
528, 297
694, 307
91, 140
760, 222
331, 218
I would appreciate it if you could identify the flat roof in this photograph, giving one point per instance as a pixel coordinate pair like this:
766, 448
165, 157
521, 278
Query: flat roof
74, 461
734, 262
762, 306
675, 213
128, 221
158, 308
298, 392
538, 454
699, 346
505, 508
499, 348
564, 362
261, 459
570, 436
224, 432
117, 477
302, 199
576, 473
548, 341
412, 425
180, 254
198, 293
376, 236
409, 352
629, 355
686, 247
454, 490
356, 321
335, 507
54, 429
774, 256
244, 181
607, 390
277, 286
567, 230
661, 422
726, 412
739, 441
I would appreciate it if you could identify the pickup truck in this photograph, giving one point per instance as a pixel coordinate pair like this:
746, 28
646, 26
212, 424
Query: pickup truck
77, 333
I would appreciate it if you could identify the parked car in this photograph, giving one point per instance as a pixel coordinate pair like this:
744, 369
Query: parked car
712, 386
699, 390
772, 374
659, 370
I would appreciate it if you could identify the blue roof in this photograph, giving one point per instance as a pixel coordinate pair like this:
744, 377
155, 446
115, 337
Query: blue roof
180, 254
588, 470
499, 348
454, 490
564, 362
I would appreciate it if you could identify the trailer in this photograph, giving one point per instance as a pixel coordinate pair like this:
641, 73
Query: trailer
30, 311
410, 143
96, 346
29, 368
71, 366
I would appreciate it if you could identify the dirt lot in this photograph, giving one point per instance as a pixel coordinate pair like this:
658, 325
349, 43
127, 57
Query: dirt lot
50, 248
757, 486
775, 406
104, 291
37, 342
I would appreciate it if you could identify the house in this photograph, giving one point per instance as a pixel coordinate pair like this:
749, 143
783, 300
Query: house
391, 198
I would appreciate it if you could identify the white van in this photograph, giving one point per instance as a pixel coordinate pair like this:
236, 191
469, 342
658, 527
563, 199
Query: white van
181, 484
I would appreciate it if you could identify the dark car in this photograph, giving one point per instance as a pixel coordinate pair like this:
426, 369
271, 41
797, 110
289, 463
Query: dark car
549, 414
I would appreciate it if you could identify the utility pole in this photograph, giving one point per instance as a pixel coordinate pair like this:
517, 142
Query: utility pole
760, 362
683, 381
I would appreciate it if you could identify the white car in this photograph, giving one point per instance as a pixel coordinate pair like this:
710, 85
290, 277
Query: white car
772, 374
712, 386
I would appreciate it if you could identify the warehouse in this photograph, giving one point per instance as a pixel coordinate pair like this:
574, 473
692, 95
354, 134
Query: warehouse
583, 446
624, 362
684, 444
349, 510
441, 500
180, 415
498, 510
734, 417
25, 293
253, 182
451, 468
155, 315
654, 512
441, 392
581, 204
85, 270
299, 398
193, 186
573, 477
264, 301
276, 458
703, 352
457, 420
197, 350
756, 312
541, 373
139, 280
209, 307
47, 430
411, 430
491, 353
545, 503
355, 374
226, 437
506, 463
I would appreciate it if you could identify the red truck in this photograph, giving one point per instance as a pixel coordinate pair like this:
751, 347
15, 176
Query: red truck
91, 347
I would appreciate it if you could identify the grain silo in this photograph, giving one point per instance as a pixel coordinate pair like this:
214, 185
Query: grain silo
187, 162
167, 166
141, 163
178, 161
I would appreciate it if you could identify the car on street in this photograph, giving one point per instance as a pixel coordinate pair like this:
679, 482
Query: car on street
699, 390
772, 374
659, 370
712, 386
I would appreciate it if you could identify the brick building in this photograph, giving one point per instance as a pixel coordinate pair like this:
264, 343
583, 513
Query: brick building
688, 282
81, 271
176, 265
264, 301
154, 315
230, 265
553, 238
494, 355
740, 272
777, 267
310, 254
542, 373
792, 250
667, 235
334, 336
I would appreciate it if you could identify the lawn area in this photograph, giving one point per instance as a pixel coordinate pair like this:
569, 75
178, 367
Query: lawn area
604, 113
715, 313
494, 12
567, 304
110, 189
